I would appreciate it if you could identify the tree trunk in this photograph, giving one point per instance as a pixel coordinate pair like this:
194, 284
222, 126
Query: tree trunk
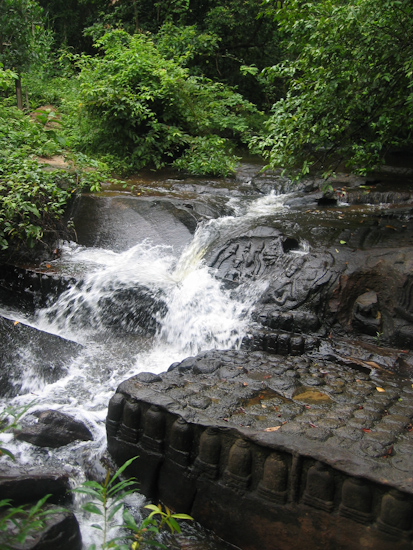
19, 95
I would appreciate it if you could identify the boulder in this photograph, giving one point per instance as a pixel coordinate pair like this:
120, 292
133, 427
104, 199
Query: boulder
53, 429
18, 343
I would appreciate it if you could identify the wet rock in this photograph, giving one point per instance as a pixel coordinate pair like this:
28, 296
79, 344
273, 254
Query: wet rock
53, 429
148, 377
30, 288
132, 310
101, 222
366, 313
22, 485
19, 343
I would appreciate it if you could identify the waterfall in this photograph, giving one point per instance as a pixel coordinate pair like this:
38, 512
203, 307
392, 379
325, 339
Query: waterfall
133, 311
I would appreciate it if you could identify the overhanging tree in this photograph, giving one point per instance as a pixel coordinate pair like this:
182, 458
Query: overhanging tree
349, 84
18, 22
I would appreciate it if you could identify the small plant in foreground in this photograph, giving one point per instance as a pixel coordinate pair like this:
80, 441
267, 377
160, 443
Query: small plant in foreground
108, 498
152, 525
378, 339
18, 523
9, 420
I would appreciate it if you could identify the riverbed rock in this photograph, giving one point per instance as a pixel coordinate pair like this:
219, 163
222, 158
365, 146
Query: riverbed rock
28, 353
119, 222
326, 272
305, 450
21, 484
53, 429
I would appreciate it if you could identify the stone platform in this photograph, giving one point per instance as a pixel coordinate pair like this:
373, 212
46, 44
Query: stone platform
273, 452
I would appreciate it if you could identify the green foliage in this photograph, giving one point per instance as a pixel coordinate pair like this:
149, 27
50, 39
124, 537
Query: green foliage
349, 84
32, 199
207, 156
148, 109
107, 499
226, 33
23, 40
16, 32
186, 44
145, 533
6, 77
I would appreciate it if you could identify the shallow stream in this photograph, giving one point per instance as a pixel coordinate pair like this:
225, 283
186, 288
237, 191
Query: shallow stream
146, 298
188, 309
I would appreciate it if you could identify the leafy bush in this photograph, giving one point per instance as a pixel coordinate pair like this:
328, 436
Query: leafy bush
33, 200
207, 156
147, 108
349, 80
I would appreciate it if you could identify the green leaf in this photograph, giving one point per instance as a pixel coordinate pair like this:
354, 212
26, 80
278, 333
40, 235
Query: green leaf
122, 469
6, 452
92, 508
129, 520
114, 510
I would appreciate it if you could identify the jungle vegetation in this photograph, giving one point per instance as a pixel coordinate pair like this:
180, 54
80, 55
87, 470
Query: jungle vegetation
120, 85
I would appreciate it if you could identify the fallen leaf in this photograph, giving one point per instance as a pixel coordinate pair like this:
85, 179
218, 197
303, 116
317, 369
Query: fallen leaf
366, 430
381, 390
263, 406
272, 429
267, 376
343, 242
388, 452
17, 322
245, 384
48, 266
372, 364
313, 425
337, 251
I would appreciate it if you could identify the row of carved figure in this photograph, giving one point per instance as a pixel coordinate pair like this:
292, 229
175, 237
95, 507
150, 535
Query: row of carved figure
278, 477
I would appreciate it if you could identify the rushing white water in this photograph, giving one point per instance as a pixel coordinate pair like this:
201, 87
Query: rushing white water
188, 307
